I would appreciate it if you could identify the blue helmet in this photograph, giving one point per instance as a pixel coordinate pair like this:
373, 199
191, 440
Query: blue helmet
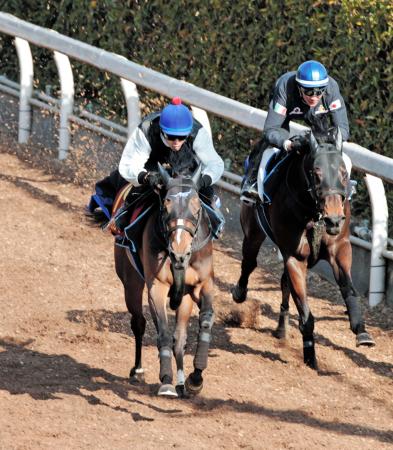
312, 74
176, 119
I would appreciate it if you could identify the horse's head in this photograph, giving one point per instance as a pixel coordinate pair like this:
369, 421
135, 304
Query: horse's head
181, 215
328, 178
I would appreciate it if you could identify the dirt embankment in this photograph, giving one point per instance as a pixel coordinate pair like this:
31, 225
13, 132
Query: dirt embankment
66, 348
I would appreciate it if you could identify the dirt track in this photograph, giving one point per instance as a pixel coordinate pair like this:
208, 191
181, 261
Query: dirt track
66, 349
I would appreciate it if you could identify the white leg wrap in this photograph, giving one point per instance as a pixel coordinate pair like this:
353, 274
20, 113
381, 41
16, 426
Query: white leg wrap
180, 378
267, 154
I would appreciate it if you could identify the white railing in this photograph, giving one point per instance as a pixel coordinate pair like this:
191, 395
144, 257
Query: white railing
376, 166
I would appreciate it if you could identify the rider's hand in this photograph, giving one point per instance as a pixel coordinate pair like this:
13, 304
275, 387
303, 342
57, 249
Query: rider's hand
204, 181
296, 143
152, 179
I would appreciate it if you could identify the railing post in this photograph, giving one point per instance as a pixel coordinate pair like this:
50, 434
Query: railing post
379, 209
26, 88
66, 103
130, 92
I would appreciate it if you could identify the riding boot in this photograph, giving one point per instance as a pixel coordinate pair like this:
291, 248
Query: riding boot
249, 186
212, 204
216, 217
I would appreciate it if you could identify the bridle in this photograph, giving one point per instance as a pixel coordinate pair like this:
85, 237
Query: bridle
171, 224
189, 225
312, 204
319, 193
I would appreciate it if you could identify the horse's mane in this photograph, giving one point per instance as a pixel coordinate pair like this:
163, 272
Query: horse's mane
182, 162
326, 136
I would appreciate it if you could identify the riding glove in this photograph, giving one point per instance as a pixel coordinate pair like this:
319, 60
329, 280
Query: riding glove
152, 179
298, 142
204, 181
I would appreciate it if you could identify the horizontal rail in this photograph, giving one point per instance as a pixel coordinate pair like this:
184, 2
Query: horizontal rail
233, 110
118, 65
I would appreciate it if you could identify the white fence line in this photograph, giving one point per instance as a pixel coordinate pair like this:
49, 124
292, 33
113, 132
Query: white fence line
130, 73
233, 110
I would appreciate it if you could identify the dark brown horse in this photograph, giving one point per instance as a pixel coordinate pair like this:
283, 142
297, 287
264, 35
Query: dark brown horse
309, 220
175, 250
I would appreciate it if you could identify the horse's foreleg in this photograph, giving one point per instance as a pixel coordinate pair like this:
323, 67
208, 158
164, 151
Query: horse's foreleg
252, 241
183, 314
341, 265
194, 382
297, 281
133, 291
157, 296
283, 321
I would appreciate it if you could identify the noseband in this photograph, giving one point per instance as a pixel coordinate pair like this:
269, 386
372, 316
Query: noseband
189, 224
172, 225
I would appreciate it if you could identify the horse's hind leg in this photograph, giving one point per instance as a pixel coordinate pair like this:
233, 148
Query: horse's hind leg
194, 382
283, 322
183, 314
341, 265
133, 291
297, 281
252, 241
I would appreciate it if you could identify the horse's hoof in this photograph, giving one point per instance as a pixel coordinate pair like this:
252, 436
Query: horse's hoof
279, 333
364, 339
239, 294
181, 391
167, 390
192, 388
137, 376
312, 364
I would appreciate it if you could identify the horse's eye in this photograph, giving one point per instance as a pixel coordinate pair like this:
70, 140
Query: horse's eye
318, 173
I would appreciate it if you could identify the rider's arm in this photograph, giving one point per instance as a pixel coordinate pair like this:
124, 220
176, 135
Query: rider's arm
276, 130
212, 164
134, 157
337, 108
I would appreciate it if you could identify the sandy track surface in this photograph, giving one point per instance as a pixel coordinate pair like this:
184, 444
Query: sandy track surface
66, 348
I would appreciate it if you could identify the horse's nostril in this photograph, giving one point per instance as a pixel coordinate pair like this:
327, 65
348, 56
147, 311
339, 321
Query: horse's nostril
334, 221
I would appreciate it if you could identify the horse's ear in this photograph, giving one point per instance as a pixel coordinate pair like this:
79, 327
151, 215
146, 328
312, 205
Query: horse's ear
164, 174
339, 140
313, 143
197, 174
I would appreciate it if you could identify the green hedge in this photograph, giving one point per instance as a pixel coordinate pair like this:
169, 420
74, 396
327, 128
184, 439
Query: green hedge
236, 49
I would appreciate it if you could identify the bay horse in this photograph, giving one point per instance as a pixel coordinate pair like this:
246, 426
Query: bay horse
175, 250
308, 219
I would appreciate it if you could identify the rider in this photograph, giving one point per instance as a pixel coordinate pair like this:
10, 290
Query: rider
171, 137
308, 94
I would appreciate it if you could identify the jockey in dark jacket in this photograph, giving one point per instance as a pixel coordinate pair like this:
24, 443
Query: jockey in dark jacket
174, 138
308, 94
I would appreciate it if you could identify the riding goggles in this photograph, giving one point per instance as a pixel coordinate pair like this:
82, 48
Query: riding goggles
172, 137
313, 92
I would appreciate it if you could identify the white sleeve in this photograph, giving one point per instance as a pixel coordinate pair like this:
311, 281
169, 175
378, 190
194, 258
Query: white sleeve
134, 157
212, 164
